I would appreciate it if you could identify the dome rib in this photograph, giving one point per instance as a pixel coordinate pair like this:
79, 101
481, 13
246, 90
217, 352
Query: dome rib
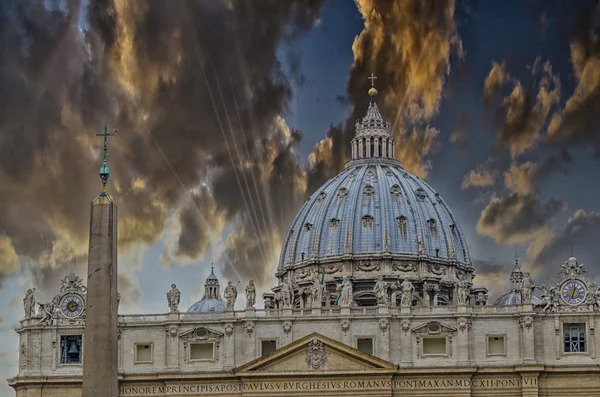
369, 190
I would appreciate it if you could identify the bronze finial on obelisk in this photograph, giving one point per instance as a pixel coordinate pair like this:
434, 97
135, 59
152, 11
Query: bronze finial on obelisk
100, 362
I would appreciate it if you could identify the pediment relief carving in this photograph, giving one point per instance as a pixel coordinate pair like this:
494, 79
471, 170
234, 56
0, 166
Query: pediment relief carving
315, 352
433, 328
201, 333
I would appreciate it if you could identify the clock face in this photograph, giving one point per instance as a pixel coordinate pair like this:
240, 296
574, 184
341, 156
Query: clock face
72, 306
573, 292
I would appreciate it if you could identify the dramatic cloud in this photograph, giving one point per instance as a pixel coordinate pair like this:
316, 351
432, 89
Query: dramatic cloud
196, 92
577, 122
408, 45
493, 275
522, 179
494, 81
517, 218
481, 177
131, 294
581, 233
523, 114
9, 261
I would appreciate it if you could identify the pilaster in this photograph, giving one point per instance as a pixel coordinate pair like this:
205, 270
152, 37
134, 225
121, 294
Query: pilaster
464, 328
384, 337
406, 345
229, 347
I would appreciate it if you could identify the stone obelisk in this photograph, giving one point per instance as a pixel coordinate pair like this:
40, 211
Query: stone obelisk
100, 362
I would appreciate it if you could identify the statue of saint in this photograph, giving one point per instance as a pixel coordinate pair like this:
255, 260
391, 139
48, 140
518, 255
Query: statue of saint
381, 291
250, 294
346, 296
29, 303
173, 298
317, 290
47, 311
407, 293
462, 294
527, 289
230, 295
287, 292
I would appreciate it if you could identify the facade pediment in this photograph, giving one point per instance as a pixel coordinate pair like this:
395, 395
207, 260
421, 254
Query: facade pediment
316, 353
433, 328
201, 333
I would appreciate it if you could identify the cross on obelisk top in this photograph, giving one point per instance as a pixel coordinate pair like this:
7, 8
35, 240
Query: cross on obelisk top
372, 78
104, 171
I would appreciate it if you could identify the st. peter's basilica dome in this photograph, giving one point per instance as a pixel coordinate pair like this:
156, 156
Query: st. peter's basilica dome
376, 219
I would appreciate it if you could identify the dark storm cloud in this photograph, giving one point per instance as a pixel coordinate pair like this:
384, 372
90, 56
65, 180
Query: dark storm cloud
195, 89
580, 233
517, 218
408, 45
494, 81
576, 124
522, 114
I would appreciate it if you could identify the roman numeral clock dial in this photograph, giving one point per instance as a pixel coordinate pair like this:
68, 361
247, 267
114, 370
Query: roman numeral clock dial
573, 292
72, 306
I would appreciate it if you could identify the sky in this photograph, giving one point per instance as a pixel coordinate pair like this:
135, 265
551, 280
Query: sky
230, 114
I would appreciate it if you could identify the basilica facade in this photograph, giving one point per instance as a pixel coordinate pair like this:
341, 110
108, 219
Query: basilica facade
375, 298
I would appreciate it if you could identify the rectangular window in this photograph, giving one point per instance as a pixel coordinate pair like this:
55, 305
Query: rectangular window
574, 338
436, 346
201, 351
143, 353
496, 346
365, 345
70, 349
268, 347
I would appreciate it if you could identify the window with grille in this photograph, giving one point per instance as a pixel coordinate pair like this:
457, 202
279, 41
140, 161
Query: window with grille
574, 338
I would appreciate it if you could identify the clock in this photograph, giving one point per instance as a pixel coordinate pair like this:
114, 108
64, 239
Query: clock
573, 292
71, 305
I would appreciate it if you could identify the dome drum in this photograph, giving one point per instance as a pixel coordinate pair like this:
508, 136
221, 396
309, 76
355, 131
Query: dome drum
435, 283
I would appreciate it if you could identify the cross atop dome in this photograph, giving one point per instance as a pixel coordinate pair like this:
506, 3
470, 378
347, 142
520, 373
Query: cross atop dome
372, 90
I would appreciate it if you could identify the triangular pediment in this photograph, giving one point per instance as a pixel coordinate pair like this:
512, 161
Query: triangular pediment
316, 352
201, 333
433, 328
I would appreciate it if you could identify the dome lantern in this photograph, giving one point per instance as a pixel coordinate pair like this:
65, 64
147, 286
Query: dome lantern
373, 138
211, 300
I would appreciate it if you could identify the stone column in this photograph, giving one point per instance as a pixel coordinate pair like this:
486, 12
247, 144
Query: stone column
55, 342
250, 340
172, 345
229, 347
376, 146
368, 144
406, 344
592, 337
384, 344
464, 327
384, 144
345, 325
360, 148
528, 343
100, 361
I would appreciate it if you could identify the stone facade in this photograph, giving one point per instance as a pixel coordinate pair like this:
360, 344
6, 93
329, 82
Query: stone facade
532, 362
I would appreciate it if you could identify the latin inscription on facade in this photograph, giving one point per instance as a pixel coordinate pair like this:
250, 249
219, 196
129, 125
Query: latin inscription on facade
201, 389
